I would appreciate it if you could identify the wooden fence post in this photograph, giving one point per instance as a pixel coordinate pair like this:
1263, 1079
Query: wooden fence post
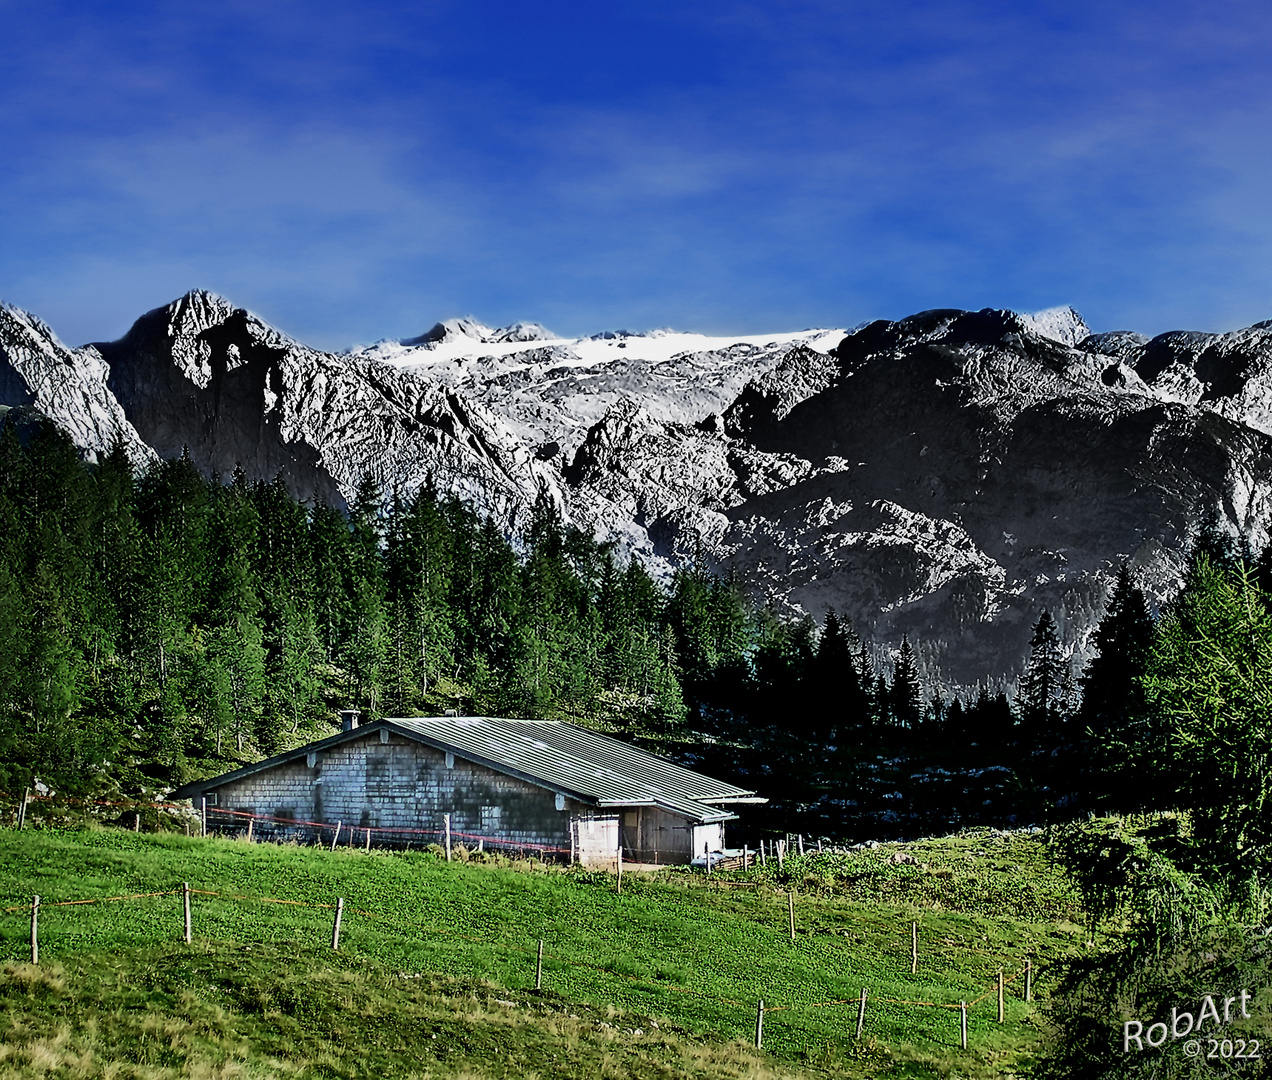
203, 816
1000, 996
861, 1013
914, 948
759, 1025
790, 903
137, 820
620, 868
35, 929
446, 822
335, 930
1028, 979
800, 838
368, 844
538, 969
746, 857
250, 823
26, 798
185, 904
962, 1025
336, 836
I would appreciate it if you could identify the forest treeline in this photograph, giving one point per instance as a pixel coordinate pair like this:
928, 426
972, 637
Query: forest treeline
163, 625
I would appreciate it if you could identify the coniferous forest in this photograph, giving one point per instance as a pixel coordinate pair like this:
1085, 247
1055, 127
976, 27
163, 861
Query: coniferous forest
161, 625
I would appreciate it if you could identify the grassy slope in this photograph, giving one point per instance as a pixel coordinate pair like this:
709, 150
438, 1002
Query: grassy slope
436, 967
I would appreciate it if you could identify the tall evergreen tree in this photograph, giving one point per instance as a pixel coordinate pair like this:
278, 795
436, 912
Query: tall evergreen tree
906, 695
1114, 707
1042, 701
1210, 738
835, 692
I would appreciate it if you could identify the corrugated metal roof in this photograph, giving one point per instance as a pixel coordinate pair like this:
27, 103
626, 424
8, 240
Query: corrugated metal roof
579, 762
592, 768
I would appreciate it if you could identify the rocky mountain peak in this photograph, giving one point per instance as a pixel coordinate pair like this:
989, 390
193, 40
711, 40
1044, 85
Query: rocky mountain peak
1062, 324
945, 476
452, 330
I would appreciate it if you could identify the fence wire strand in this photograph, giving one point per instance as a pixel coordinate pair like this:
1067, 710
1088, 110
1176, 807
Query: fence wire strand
397, 922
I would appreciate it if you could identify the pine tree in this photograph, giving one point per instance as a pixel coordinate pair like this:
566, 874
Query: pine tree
991, 727
1210, 737
1114, 708
907, 693
835, 691
1042, 700
283, 569
834, 650
669, 710
364, 652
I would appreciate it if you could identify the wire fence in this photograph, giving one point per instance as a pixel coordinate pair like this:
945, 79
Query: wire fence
266, 827
208, 820
399, 924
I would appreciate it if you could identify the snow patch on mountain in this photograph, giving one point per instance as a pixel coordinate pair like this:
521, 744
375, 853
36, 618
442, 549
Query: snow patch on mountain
946, 475
1061, 324
469, 329
554, 391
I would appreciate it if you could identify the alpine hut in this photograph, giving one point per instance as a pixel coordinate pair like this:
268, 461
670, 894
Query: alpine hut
543, 785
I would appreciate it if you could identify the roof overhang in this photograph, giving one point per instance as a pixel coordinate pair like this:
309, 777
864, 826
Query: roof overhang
706, 811
705, 818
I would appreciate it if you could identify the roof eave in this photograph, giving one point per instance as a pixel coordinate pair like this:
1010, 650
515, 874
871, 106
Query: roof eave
707, 815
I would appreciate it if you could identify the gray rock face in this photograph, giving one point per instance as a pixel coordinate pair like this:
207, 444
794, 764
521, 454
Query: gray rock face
945, 476
68, 385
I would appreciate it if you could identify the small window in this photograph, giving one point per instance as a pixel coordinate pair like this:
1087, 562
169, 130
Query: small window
560, 801
491, 819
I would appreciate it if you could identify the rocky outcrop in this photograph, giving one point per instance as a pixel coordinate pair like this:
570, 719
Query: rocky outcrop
67, 385
944, 476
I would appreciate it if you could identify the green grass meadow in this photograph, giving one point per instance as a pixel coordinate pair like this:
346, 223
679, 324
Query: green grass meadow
436, 966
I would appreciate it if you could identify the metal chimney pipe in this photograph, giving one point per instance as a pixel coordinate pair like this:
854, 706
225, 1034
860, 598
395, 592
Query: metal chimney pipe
348, 719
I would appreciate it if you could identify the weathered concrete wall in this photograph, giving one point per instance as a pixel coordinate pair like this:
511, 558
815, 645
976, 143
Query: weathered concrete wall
708, 838
596, 839
402, 784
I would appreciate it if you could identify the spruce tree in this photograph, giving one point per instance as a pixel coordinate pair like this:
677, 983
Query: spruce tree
907, 693
1042, 703
834, 689
1113, 711
1209, 740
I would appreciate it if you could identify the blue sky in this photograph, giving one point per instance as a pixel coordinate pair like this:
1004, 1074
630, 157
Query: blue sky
352, 171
